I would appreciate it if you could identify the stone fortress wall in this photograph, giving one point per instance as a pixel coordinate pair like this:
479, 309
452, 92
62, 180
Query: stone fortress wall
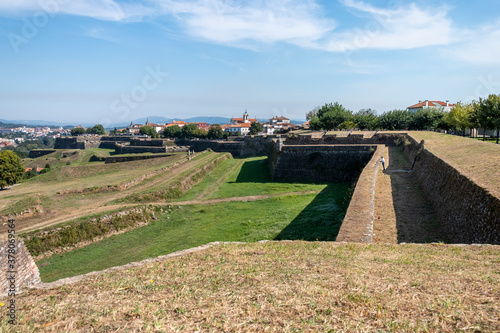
467, 212
320, 163
27, 273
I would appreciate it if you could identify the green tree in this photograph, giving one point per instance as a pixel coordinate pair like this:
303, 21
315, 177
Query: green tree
348, 125
255, 128
366, 119
215, 132
148, 130
330, 116
187, 131
48, 142
11, 168
460, 117
489, 114
172, 132
395, 120
200, 133
426, 119
97, 129
77, 131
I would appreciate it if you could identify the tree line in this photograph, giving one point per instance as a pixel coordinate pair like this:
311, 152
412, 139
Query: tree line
484, 113
96, 129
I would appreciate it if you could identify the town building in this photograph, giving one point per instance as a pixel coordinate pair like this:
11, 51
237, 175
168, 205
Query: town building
243, 128
133, 128
446, 106
244, 120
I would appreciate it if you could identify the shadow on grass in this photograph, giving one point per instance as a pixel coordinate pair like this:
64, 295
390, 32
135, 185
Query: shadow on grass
322, 218
254, 172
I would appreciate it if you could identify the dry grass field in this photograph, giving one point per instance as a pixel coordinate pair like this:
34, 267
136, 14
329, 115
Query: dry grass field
282, 287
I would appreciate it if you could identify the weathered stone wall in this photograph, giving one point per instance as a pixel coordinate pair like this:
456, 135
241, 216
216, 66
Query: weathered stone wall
218, 146
249, 146
118, 159
358, 221
140, 149
467, 212
148, 142
320, 163
110, 144
78, 142
26, 270
117, 138
68, 143
34, 153
382, 138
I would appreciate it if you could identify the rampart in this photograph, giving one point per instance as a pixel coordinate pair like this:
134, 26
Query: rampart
118, 138
121, 149
320, 163
118, 159
250, 146
34, 153
148, 142
78, 142
27, 273
358, 221
467, 212
347, 138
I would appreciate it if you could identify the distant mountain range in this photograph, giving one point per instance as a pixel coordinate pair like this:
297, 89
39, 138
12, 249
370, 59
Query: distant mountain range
152, 119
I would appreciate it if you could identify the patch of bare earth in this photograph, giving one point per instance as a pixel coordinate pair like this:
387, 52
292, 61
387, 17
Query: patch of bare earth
282, 287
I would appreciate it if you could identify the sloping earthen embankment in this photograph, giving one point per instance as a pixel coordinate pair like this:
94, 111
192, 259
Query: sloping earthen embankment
467, 212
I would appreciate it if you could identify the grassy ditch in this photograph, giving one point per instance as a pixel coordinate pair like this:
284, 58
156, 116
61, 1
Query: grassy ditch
183, 183
308, 217
248, 177
84, 229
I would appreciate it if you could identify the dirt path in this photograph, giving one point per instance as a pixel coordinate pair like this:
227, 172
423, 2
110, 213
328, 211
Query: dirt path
213, 188
102, 209
402, 212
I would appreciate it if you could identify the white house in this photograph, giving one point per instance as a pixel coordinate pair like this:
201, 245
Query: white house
446, 106
243, 128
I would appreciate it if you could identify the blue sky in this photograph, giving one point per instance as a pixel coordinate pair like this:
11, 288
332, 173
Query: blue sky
108, 61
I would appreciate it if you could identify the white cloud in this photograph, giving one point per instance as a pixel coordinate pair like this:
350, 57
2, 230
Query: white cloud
252, 24
106, 10
404, 27
480, 47
235, 22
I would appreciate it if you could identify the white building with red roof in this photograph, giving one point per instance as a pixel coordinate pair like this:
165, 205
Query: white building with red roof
243, 128
279, 120
244, 120
446, 106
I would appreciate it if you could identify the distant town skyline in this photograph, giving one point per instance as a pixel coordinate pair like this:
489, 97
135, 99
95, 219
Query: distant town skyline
110, 61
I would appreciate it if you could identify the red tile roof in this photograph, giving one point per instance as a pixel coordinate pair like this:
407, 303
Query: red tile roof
430, 103
240, 120
241, 125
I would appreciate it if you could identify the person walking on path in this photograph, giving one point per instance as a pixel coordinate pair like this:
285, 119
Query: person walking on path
382, 160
